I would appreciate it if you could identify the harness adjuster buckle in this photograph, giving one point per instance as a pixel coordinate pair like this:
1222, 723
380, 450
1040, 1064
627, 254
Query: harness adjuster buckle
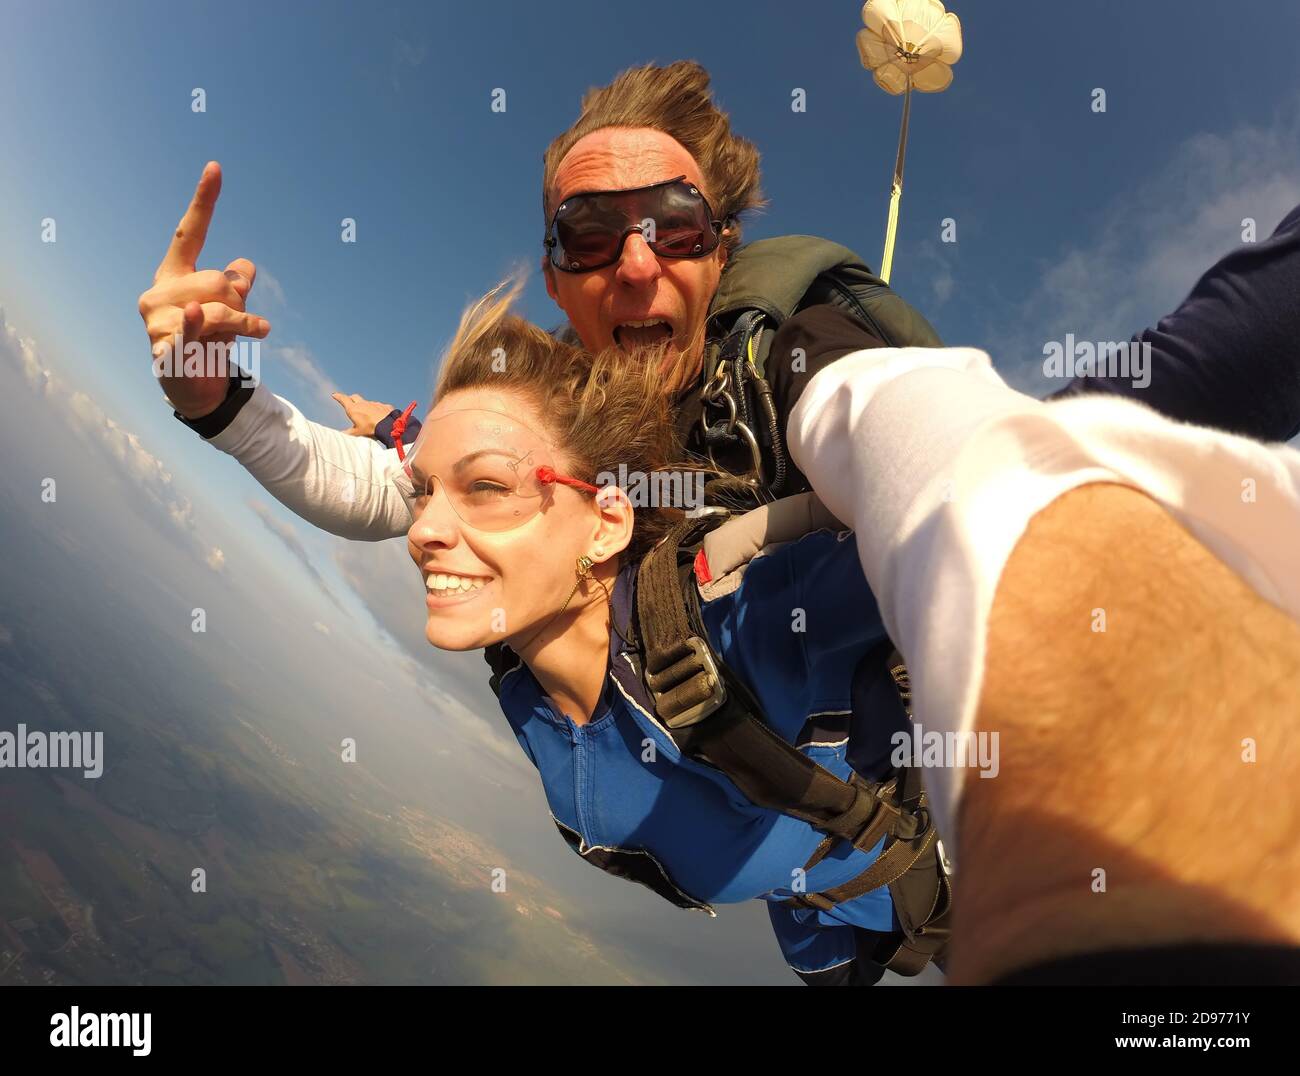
699, 662
912, 824
910, 821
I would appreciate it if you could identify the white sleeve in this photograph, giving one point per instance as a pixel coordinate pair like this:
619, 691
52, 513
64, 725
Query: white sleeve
349, 486
939, 466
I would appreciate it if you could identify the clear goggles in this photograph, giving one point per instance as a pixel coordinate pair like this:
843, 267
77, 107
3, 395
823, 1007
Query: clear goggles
495, 472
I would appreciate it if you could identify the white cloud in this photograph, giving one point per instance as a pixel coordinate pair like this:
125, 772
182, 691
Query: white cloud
270, 285
23, 349
938, 260
303, 366
406, 55
85, 416
285, 533
1149, 247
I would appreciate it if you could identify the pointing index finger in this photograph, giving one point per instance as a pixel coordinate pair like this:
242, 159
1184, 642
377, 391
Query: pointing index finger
187, 241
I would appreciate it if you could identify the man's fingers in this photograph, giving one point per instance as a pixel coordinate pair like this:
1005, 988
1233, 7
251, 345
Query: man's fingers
192, 320
219, 318
187, 241
203, 321
241, 273
204, 286
165, 325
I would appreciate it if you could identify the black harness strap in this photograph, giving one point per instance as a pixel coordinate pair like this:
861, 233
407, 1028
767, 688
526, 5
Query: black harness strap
714, 718
890, 865
689, 685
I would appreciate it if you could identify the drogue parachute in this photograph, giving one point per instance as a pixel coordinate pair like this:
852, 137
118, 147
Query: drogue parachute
907, 45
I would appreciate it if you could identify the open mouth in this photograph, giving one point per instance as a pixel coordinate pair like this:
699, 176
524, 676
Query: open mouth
630, 334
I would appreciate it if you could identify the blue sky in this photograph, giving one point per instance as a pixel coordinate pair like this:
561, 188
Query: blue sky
1067, 220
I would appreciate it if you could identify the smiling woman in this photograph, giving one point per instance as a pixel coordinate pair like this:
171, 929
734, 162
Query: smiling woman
523, 555
503, 474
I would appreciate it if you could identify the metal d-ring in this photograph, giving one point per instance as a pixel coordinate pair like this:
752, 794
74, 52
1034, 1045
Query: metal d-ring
718, 389
755, 454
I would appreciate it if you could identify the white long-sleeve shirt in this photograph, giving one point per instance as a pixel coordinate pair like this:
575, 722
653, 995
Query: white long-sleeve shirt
350, 486
939, 466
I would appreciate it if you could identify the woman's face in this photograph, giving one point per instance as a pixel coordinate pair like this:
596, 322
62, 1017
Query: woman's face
492, 585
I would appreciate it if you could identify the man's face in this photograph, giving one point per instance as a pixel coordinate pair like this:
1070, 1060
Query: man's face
640, 286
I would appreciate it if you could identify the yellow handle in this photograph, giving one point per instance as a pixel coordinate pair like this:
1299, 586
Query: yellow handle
891, 232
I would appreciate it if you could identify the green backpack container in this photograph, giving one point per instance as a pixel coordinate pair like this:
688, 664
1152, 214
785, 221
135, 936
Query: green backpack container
763, 284
779, 277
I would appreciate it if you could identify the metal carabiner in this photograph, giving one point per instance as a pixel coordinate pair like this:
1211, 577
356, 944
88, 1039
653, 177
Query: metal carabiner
730, 402
716, 392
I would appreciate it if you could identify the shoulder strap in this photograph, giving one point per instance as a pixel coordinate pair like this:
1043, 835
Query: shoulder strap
762, 285
767, 279
732, 545
772, 275
781, 275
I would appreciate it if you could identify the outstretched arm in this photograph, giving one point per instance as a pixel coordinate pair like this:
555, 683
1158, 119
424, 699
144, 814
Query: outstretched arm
1115, 598
1135, 760
350, 486
1229, 356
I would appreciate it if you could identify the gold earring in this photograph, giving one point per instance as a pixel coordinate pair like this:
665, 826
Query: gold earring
583, 572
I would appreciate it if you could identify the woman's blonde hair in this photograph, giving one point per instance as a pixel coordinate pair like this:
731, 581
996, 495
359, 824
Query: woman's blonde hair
601, 410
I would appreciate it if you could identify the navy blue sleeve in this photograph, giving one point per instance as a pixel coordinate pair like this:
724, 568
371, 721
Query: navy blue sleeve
384, 429
1229, 356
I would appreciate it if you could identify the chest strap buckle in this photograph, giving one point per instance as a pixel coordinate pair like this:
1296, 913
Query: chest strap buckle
688, 688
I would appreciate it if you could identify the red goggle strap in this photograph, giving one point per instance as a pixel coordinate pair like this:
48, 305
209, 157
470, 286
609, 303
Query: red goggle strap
547, 475
399, 428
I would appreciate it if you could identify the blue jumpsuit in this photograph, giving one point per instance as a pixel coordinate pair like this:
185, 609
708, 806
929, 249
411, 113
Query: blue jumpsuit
626, 799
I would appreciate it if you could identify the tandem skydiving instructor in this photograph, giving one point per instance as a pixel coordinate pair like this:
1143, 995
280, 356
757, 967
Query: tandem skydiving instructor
643, 199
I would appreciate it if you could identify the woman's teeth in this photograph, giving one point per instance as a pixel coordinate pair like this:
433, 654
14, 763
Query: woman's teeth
443, 582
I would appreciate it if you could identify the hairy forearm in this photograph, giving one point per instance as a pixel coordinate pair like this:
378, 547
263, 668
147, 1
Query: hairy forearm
1146, 792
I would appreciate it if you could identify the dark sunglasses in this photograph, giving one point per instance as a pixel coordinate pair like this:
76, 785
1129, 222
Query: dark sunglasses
589, 229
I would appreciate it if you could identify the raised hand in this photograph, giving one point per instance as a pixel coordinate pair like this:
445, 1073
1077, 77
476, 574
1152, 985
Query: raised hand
364, 414
204, 305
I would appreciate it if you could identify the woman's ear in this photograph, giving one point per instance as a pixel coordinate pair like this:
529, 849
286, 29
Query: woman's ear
615, 519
